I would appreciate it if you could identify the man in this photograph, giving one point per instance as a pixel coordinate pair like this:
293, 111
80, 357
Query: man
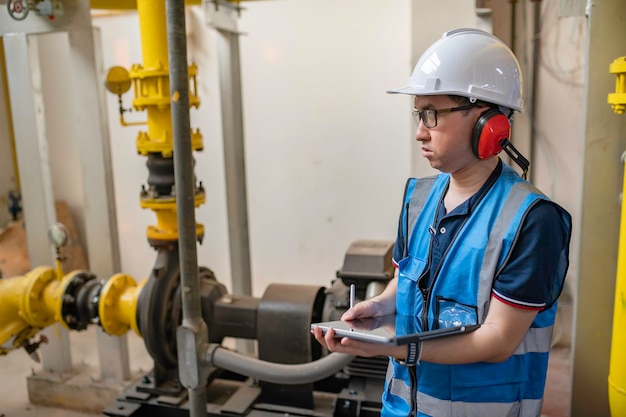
476, 244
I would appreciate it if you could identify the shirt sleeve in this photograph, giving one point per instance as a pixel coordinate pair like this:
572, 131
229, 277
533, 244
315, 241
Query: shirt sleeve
528, 280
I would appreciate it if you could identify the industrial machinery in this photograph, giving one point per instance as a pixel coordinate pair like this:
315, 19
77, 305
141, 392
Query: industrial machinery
184, 315
290, 373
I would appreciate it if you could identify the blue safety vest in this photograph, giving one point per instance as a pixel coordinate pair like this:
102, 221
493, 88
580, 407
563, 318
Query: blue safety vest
460, 292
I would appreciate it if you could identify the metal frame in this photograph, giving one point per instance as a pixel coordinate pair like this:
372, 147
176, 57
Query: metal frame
223, 17
92, 142
604, 143
31, 144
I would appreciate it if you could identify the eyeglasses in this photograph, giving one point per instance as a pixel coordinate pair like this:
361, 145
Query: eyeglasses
429, 116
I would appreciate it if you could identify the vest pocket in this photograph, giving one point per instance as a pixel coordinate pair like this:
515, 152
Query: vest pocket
408, 298
411, 268
450, 313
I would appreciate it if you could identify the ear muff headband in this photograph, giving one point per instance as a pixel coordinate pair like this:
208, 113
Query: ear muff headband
491, 128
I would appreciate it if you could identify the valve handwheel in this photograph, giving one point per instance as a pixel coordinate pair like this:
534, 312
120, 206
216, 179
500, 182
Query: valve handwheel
18, 9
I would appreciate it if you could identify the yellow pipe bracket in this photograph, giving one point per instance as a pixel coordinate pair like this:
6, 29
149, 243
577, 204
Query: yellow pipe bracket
617, 100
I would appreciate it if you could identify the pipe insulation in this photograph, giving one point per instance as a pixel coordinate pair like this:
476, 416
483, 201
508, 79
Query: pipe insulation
277, 373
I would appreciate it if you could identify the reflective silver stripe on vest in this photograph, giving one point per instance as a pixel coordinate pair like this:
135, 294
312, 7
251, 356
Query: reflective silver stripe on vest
397, 386
418, 199
443, 408
515, 198
538, 339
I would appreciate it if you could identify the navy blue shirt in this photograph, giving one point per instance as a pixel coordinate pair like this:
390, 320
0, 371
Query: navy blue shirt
525, 281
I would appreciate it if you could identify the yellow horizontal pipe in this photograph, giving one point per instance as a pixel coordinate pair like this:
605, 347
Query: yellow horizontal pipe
28, 304
127, 4
118, 305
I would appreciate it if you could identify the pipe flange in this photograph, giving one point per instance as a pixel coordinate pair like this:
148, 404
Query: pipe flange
111, 304
69, 308
33, 307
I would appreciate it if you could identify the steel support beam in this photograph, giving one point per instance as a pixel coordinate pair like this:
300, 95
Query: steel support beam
224, 19
604, 143
92, 142
26, 100
91, 135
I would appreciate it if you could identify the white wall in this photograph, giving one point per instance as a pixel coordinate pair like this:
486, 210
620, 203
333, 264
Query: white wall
327, 150
558, 156
429, 22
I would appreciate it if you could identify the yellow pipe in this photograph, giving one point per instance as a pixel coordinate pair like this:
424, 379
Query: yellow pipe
28, 304
126, 4
118, 305
36, 300
151, 79
5, 81
617, 368
151, 88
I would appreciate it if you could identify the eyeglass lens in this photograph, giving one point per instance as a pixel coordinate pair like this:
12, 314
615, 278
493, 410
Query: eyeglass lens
429, 117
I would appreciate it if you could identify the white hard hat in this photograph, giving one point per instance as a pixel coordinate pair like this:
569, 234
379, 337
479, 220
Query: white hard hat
469, 63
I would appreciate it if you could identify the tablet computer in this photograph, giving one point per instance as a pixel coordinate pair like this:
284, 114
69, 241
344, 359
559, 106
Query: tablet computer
382, 330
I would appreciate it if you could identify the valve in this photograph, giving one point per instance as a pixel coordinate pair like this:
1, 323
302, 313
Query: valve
15, 204
31, 348
118, 82
18, 9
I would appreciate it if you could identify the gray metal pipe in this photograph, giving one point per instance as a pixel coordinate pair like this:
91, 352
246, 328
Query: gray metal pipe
183, 159
277, 373
193, 331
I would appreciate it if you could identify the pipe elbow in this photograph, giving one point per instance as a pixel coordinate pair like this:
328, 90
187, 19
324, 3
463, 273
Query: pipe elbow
216, 355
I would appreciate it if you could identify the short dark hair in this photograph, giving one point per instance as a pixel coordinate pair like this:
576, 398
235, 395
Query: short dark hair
463, 101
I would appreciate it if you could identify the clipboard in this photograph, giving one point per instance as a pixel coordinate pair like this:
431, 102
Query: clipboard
382, 330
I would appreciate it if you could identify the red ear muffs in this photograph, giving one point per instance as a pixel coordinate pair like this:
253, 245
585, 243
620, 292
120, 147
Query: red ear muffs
491, 127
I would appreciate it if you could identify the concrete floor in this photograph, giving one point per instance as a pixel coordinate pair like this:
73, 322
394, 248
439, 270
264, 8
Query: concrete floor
17, 366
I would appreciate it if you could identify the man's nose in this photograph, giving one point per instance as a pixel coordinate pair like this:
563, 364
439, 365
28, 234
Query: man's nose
422, 133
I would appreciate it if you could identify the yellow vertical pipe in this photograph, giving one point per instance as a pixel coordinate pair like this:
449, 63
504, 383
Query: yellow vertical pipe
5, 81
153, 29
617, 368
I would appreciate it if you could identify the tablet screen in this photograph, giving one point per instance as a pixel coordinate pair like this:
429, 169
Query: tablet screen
374, 329
382, 330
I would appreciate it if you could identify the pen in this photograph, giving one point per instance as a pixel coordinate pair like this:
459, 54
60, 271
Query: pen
352, 291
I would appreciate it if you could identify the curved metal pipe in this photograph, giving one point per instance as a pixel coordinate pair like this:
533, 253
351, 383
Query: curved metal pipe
277, 373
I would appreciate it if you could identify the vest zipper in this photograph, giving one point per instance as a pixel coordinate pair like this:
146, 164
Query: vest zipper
406, 230
425, 296
413, 378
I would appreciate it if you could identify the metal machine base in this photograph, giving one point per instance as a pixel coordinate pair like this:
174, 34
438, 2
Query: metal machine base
236, 395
